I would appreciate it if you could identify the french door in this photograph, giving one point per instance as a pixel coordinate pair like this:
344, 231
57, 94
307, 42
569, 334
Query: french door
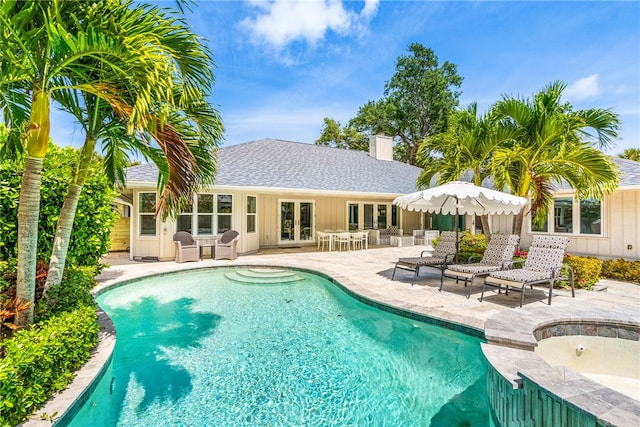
297, 218
367, 216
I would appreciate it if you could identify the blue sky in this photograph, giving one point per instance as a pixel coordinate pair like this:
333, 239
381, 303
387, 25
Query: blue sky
282, 66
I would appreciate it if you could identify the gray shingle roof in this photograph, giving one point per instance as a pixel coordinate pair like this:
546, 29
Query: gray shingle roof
285, 164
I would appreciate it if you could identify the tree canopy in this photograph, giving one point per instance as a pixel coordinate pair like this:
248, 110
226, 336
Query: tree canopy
416, 104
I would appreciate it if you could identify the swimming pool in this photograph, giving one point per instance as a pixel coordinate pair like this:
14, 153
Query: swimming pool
209, 348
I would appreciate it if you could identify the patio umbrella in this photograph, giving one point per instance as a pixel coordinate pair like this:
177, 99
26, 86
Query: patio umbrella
459, 197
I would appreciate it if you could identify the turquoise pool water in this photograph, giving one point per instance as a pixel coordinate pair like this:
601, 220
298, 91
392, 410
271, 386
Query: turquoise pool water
203, 349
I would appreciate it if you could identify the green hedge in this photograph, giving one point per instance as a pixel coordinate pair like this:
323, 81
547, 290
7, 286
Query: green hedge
621, 269
90, 238
586, 270
42, 360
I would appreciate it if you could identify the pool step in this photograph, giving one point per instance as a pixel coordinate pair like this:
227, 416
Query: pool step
266, 273
261, 276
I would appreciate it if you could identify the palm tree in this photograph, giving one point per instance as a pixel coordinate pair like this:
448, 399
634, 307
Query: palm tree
193, 133
51, 46
467, 146
553, 143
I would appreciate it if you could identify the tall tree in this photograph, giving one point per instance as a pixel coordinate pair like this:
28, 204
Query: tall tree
466, 147
61, 45
417, 101
332, 135
554, 143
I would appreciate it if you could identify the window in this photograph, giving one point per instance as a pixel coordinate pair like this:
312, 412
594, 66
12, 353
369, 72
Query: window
572, 216
395, 217
205, 213
184, 222
590, 216
208, 214
251, 214
224, 212
563, 214
147, 213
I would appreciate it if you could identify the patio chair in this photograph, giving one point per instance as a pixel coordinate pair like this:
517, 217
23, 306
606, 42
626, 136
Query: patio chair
543, 264
343, 239
497, 256
385, 235
323, 237
187, 248
443, 254
225, 246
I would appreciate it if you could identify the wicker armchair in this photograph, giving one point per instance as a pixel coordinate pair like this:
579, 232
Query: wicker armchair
225, 246
187, 248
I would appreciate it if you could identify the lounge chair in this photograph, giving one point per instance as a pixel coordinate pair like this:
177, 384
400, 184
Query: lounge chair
225, 246
443, 254
497, 256
543, 264
187, 248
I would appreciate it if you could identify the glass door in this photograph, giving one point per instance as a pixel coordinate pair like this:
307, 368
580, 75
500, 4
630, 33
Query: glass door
369, 216
296, 221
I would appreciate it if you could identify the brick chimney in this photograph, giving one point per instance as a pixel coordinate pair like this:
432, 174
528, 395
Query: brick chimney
381, 147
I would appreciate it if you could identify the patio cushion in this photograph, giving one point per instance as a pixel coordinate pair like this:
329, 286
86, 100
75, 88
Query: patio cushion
228, 236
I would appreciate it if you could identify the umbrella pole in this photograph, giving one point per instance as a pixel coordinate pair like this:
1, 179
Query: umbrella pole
457, 228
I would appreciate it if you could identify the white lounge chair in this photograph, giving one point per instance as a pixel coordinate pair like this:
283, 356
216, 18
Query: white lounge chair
543, 264
497, 256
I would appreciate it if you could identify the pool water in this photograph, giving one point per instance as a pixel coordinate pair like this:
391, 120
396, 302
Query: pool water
205, 348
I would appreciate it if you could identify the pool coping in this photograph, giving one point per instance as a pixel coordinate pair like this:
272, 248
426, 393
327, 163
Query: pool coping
510, 330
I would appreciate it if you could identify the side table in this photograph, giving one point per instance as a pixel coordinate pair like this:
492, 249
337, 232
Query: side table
211, 247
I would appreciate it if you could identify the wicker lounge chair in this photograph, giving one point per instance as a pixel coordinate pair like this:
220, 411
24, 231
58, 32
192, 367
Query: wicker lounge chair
443, 254
187, 248
543, 264
225, 246
497, 256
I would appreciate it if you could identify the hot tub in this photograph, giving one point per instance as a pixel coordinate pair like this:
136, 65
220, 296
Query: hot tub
613, 362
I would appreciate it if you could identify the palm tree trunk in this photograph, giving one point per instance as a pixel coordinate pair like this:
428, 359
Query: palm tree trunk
28, 212
29, 208
61, 241
518, 219
486, 229
64, 227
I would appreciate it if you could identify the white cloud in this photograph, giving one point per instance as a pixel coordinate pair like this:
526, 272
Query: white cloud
281, 22
586, 87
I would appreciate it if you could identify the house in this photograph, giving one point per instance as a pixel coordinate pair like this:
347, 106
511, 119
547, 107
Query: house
276, 194
280, 193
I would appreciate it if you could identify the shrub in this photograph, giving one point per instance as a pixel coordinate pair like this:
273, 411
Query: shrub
621, 269
42, 360
94, 218
471, 245
586, 271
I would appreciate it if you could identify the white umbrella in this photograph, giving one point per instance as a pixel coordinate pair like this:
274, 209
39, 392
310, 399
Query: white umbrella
460, 197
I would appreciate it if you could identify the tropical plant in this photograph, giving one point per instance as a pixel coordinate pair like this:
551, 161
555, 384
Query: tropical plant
553, 143
631, 154
48, 47
466, 147
187, 139
417, 101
